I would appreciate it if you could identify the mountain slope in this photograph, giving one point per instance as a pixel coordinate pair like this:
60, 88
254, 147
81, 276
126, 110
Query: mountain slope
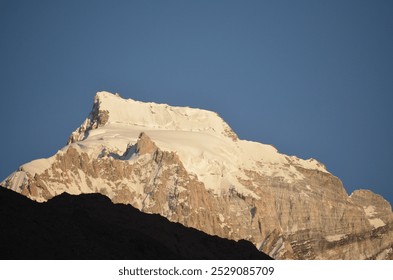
92, 227
189, 166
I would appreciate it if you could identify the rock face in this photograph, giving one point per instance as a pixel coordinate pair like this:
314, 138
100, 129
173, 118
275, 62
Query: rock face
189, 166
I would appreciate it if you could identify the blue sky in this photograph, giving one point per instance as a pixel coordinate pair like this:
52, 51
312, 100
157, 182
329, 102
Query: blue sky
312, 78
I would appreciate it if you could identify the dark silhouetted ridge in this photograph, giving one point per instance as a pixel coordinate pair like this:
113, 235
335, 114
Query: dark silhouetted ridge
90, 226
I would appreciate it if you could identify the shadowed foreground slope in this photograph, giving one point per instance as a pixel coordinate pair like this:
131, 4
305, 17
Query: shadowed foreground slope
90, 226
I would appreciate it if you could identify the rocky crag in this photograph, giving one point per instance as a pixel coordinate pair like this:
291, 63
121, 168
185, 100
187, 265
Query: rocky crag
189, 166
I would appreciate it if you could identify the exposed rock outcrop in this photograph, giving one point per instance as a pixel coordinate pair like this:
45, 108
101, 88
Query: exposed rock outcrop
98, 117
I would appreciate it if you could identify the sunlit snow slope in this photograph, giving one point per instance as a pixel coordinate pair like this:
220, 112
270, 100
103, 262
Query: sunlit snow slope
206, 145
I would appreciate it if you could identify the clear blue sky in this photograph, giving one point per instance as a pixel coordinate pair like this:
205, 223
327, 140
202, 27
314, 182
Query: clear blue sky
312, 78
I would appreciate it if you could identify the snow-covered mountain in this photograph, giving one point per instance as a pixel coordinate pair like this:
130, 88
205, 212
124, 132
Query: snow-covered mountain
189, 166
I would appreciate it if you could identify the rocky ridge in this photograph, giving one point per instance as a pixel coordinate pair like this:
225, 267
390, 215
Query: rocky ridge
189, 166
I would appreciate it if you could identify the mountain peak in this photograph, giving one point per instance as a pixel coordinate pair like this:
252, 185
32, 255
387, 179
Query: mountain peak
106, 94
111, 108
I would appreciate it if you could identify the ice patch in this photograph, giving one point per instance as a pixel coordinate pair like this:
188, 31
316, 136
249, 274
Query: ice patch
15, 181
221, 218
376, 222
370, 211
370, 214
38, 166
335, 237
